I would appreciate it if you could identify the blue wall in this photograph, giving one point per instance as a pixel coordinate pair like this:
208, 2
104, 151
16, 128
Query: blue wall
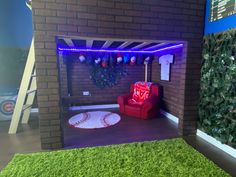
15, 24
219, 25
15, 39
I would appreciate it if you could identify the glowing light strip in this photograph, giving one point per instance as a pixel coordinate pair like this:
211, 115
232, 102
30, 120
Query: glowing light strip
118, 51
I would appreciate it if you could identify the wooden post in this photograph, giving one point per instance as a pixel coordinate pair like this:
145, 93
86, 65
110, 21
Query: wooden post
146, 72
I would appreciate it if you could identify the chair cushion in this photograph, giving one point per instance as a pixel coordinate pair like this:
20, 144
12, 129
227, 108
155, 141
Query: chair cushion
141, 92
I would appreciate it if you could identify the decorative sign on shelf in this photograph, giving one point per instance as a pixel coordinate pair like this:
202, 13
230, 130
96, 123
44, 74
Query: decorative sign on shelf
165, 62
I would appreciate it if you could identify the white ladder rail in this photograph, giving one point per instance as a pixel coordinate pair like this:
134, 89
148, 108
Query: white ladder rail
29, 67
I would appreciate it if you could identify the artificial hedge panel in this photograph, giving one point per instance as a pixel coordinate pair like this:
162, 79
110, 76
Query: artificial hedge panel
217, 108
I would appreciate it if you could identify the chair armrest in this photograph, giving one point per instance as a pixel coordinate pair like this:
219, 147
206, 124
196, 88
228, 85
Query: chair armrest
151, 101
123, 99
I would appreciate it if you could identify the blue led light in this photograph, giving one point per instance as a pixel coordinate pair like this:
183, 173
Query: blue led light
118, 51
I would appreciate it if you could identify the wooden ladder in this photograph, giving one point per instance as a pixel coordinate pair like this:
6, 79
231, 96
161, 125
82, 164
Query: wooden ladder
26, 93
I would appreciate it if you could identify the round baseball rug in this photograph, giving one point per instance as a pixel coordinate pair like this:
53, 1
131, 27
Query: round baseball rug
94, 119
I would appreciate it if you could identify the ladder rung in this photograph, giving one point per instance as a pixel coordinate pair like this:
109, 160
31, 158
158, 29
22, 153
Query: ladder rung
33, 75
30, 91
26, 106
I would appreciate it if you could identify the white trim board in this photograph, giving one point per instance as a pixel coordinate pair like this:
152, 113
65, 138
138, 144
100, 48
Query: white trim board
227, 149
89, 107
170, 116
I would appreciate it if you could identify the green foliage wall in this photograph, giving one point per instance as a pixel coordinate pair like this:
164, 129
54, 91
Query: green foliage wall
217, 108
107, 77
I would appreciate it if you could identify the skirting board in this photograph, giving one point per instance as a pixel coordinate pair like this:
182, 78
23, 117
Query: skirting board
89, 107
104, 106
229, 150
170, 116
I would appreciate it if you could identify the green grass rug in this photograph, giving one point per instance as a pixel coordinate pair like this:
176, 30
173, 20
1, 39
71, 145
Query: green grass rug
156, 158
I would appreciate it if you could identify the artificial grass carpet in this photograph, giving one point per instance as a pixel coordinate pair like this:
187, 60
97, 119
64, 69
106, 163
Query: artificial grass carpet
157, 158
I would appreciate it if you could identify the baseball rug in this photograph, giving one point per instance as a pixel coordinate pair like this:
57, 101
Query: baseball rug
94, 119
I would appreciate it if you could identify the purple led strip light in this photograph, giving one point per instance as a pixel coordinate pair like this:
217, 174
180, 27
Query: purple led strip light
118, 51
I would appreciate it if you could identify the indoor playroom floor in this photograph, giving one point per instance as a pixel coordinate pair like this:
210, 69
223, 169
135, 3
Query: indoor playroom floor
128, 130
27, 140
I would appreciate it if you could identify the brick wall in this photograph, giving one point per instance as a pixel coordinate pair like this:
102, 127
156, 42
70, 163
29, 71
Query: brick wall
82, 82
63, 75
171, 96
146, 19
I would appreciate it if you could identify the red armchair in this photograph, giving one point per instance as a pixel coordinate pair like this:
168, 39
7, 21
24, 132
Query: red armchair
148, 109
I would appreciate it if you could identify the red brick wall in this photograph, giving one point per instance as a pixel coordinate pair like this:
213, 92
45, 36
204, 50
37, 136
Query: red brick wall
138, 19
79, 76
171, 95
63, 75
